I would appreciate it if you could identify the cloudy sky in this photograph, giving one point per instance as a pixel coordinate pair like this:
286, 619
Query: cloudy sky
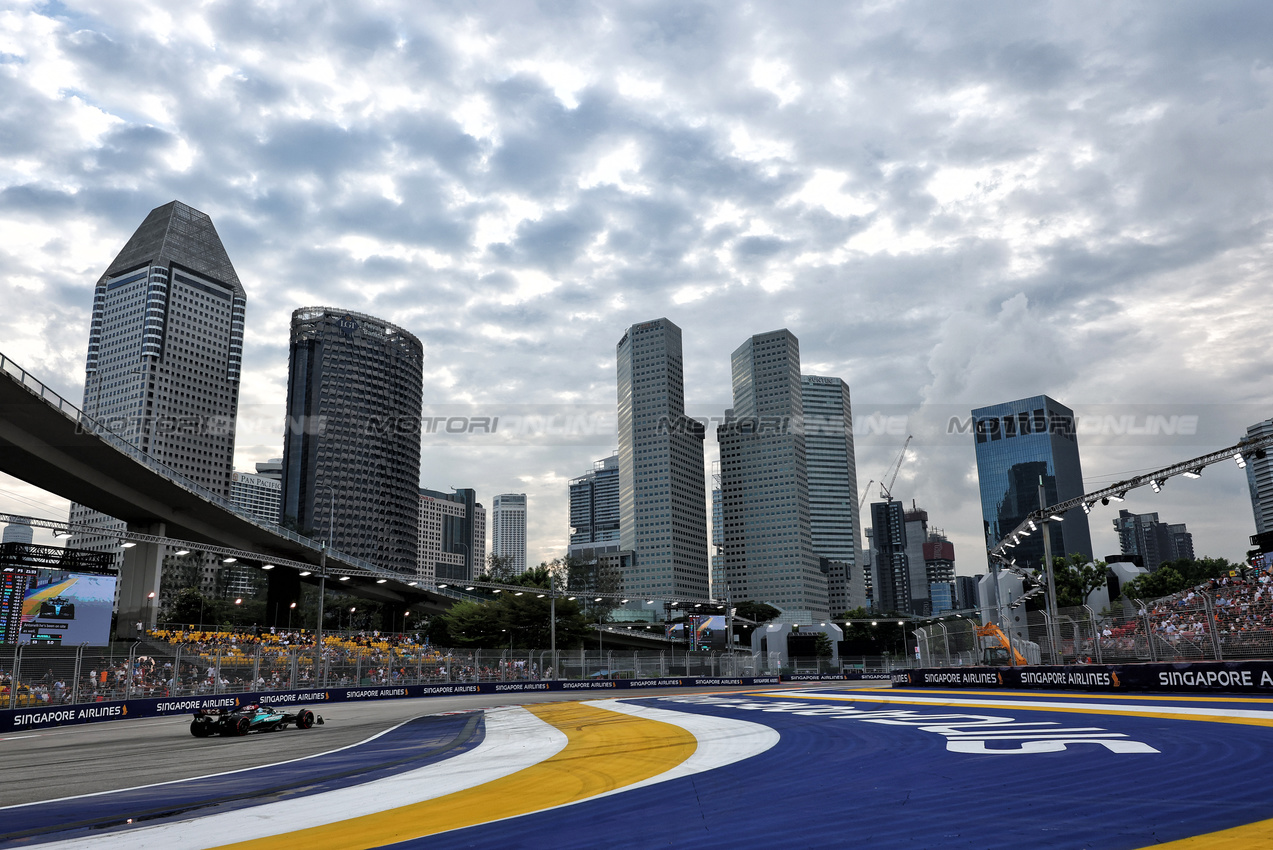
950, 204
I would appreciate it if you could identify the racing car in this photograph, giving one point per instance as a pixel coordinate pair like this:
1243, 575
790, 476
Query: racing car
248, 718
57, 608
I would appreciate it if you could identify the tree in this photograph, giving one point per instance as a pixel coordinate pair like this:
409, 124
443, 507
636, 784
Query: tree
756, 611
1076, 578
1175, 576
499, 569
190, 607
821, 645
863, 638
597, 579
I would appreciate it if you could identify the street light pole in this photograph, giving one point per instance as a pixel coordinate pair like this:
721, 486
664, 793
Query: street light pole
1053, 626
552, 616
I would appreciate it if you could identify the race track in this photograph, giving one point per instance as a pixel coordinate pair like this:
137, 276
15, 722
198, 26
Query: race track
818, 767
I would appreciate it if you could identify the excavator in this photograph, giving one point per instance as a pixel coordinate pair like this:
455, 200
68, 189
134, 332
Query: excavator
1001, 655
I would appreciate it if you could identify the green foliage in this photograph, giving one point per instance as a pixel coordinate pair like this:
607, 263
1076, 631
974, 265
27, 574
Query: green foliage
191, 607
821, 645
866, 639
1175, 576
757, 611
1076, 578
524, 620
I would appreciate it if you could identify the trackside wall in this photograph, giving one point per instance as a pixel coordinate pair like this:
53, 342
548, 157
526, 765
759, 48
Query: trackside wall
60, 715
1248, 677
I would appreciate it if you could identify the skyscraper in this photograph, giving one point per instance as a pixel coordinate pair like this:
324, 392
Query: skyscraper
719, 589
891, 569
1154, 541
452, 535
769, 553
165, 351
259, 496
833, 500
594, 507
662, 486
351, 454
508, 529
1259, 478
1019, 445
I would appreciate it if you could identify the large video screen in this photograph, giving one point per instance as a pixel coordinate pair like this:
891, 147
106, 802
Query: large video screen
48, 605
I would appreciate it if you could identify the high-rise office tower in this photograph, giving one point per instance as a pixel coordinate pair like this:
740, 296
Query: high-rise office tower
1259, 478
18, 532
662, 479
719, 585
1019, 445
508, 529
165, 351
452, 535
833, 484
891, 569
916, 537
594, 507
769, 553
351, 454
1154, 541
259, 496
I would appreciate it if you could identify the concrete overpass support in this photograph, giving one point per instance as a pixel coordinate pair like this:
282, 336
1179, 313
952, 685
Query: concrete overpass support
138, 579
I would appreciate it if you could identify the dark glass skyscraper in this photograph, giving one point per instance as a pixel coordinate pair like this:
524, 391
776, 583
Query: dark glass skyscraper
1020, 444
351, 454
594, 507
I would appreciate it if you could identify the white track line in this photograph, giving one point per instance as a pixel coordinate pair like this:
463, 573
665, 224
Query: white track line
515, 739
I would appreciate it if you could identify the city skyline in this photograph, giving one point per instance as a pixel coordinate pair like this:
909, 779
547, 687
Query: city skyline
943, 227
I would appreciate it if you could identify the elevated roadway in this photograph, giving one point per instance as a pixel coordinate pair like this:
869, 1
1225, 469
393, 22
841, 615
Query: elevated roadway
48, 442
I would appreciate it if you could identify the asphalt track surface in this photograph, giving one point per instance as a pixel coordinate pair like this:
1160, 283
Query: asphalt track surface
805, 766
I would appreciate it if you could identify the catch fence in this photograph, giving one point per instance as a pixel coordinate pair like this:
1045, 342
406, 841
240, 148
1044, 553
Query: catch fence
35, 675
1232, 619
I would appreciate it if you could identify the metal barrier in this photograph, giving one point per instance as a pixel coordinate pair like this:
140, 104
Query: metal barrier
1227, 619
35, 675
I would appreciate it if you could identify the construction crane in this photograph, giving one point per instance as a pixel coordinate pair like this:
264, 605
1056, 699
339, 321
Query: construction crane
894, 468
886, 490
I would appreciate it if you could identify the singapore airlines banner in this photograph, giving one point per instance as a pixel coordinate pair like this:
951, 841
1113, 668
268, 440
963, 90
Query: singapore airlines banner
1202, 677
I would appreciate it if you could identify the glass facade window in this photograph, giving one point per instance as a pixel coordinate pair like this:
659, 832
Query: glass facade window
1040, 448
351, 451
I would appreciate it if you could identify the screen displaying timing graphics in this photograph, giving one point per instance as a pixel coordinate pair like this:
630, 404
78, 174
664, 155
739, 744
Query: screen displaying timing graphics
55, 597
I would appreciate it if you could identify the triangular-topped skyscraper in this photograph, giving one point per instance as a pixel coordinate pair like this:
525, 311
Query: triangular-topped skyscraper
165, 353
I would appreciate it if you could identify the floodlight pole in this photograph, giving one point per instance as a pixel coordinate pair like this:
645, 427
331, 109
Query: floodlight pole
1053, 627
552, 616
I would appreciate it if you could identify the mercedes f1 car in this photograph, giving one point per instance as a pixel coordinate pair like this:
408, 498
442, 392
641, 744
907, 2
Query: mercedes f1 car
248, 718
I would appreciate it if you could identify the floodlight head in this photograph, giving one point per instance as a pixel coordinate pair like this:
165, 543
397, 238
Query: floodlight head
229, 560
1239, 460
305, 573
1087, 507
1033, 527
443, 585
1193, 473
1119, 497
1156, 484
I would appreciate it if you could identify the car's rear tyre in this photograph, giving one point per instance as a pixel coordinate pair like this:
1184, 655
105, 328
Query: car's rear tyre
200, 728
304, 719
242, 726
